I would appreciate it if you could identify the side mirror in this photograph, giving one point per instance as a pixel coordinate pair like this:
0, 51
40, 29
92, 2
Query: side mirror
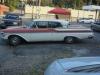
20, 18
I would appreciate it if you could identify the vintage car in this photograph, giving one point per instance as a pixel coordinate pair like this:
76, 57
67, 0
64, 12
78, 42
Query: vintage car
74, 66
45, 30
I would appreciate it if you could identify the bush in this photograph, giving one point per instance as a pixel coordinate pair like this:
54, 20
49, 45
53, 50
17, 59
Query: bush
12, 8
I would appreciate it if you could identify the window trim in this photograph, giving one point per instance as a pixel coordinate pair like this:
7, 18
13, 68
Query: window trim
83, 68
53, 25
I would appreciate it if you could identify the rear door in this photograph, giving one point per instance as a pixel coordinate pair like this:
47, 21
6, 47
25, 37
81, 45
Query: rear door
57, 34
41, 32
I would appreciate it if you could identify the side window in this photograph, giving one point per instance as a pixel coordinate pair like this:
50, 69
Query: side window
54, 25
42, 24
33, 25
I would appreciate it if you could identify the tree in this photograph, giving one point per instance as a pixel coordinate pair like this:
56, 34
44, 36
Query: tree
45, 2
97, 2
58, 3
11, 3
68, 3
79, 3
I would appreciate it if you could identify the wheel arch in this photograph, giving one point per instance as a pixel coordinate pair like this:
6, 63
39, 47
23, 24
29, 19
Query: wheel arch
71, 36
23, 39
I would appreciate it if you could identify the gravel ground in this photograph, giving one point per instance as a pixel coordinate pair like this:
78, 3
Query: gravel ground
33, 58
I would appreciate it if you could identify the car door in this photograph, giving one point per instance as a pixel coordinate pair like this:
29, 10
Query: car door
41, 32
57, 34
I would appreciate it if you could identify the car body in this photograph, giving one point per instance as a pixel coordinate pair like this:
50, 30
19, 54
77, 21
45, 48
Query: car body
75, 66
86, 20
45, 30
11, 19
96, 26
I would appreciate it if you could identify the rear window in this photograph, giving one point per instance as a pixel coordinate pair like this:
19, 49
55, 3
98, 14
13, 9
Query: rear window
54, 25
42, 24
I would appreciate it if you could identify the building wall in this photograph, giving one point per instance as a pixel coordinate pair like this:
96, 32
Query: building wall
3, 9
75, 14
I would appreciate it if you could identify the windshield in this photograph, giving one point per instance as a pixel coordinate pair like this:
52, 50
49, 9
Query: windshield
11, 16
29, 24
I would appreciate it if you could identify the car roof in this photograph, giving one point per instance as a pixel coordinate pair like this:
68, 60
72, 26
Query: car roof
69, 63
53, 20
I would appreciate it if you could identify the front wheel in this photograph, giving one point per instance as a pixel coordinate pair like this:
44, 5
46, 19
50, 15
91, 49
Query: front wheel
69, 39
14, 40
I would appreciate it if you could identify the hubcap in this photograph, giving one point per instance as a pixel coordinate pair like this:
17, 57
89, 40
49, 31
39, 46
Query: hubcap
69, 40
14, 41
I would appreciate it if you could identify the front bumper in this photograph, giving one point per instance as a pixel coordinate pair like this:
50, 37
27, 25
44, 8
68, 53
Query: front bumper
3, 35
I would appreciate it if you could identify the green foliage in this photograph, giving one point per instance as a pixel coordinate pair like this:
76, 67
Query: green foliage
45, 2
58, 3
12, 4
74, 3
12, 8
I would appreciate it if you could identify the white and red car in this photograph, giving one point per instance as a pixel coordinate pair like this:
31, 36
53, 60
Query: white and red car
45, 30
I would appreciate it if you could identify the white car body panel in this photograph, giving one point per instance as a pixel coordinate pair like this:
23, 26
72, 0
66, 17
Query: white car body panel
50, 36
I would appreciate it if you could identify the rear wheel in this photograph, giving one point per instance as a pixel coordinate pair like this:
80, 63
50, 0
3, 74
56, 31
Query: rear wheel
14, 40
70, 39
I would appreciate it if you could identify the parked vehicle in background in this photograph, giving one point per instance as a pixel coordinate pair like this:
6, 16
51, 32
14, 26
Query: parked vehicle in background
75, 66
96, 26
86, 20
11, 19
45, 30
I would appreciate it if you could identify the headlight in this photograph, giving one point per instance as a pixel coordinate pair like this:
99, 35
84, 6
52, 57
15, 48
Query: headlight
2, 34
15, 23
